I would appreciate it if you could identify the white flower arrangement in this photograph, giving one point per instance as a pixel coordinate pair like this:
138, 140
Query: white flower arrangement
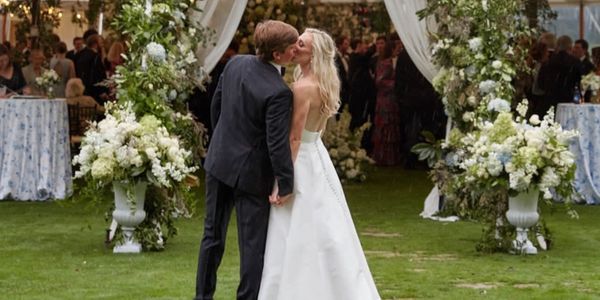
344, 148
120, 148
518, 154
46, 82
591, 82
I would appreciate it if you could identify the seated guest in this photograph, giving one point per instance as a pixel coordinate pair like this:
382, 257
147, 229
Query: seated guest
34, 70
63, 66
10, 74
74, 92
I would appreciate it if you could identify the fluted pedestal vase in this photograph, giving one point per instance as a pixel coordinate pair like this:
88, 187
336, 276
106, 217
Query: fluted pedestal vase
129, 213
522, 213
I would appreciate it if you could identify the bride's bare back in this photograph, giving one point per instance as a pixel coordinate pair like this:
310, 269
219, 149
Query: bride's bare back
307, 90
307, 114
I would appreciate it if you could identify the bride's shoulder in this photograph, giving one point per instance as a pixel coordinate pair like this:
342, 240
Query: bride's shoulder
305, 87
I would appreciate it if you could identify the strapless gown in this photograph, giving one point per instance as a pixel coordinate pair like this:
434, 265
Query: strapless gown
312, 249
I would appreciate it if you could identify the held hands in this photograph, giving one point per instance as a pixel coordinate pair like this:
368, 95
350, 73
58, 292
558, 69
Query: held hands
277, 200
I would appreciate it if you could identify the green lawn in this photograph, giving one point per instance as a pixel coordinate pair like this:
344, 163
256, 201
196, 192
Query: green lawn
49, 251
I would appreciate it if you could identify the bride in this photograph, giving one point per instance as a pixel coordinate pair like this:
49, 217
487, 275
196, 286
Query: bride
312, 249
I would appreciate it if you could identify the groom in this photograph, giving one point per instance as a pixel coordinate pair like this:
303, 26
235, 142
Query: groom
248, 152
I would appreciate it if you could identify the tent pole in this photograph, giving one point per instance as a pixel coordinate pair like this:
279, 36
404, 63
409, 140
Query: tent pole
581, 19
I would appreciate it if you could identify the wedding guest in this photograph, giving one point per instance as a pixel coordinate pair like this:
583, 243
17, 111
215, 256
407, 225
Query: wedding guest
74, 92
580, 51
114, 58
63, 66
342, 62
561, 75
10, 73
539, 56
200, 101
386, 127
549, 39
596, 58
362, 86
34, 70
78, 44
90, 68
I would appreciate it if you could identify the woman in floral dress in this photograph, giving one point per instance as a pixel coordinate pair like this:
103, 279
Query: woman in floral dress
386, 131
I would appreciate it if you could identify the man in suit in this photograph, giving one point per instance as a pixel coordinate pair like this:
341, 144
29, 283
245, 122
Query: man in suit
249, 156
78, 44
580, 51
91, 70
559, 77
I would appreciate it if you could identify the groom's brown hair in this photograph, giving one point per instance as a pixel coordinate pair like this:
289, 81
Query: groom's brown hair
271, 35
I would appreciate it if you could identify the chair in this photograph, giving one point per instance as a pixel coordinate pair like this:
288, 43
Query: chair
79, 120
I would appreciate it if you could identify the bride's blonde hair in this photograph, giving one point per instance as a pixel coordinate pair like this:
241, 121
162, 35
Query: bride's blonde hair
322, 64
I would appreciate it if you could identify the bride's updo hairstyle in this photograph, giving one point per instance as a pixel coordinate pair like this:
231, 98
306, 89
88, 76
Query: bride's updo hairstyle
323, 67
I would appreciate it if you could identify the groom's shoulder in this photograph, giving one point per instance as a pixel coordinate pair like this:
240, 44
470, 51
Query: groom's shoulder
243, 59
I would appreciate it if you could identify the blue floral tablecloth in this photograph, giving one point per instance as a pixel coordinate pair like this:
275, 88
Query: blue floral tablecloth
35, 158
586, 119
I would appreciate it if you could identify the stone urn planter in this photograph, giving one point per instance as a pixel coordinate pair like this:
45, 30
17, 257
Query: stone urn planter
522, 213
129, 213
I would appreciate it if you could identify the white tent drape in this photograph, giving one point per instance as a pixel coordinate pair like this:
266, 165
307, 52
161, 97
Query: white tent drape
224, 17
413, 33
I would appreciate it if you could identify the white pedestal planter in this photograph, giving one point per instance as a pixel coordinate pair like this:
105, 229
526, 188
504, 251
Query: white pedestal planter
522, 213
129, 214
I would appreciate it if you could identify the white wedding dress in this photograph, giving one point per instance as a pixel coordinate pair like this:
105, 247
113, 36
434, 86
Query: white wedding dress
312, 250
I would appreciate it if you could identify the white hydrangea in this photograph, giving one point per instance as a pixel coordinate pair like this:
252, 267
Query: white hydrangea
487, 86
156, 52
475, 44
498, 105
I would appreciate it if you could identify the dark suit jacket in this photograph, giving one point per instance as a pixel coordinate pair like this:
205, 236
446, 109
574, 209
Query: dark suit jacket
90, 69
558, 78
586, 66
344, 83
250, 115
72, 55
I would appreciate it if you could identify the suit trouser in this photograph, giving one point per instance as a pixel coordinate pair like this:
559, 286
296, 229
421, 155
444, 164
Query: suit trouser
252, 220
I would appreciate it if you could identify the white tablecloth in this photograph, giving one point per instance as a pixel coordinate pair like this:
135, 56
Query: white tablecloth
35, 158
586, 119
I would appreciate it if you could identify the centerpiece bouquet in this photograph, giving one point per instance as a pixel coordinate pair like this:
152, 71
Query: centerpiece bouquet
47, 81
591, 83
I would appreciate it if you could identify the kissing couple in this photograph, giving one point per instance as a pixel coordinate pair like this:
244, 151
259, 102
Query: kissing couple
296, 236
